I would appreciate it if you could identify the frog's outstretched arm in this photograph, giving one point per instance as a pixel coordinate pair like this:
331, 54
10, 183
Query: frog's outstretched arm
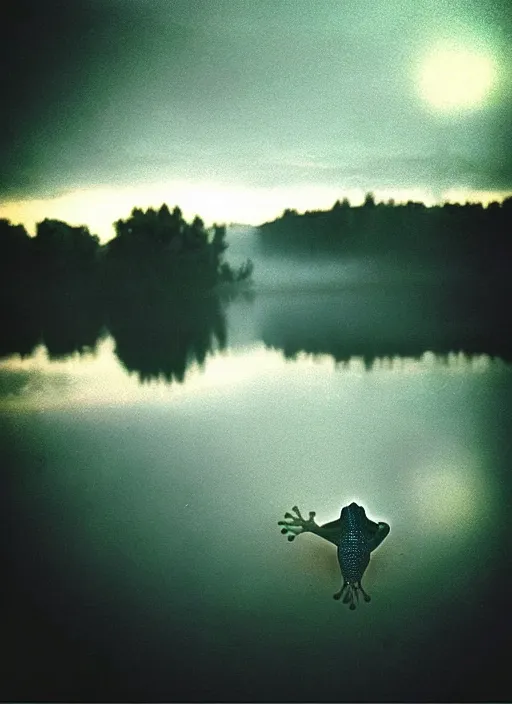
297, 524
331, 531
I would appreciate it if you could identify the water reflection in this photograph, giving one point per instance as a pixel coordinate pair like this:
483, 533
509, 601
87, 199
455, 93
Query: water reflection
65, 324
70, 325
95, 377
145, 532
148, 528
376, 321
155, 338
161, 340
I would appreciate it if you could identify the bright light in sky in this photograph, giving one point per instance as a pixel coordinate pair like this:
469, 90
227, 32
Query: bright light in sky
456, 78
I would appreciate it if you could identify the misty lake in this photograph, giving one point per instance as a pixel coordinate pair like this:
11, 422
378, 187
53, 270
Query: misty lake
145, 561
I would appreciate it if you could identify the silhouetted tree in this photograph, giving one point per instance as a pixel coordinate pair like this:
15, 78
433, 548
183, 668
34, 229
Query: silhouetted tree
49, 288
369, 201
158, 253
469, 235
219, 242
19, 326
14, 258
64, 255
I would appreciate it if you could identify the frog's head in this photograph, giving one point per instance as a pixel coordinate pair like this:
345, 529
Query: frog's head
353, 511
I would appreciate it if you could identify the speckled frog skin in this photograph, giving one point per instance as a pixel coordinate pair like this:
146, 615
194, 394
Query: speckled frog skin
355, 537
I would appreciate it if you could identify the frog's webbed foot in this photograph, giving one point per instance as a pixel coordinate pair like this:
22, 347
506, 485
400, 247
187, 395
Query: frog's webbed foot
351, 594
338, 595
297, 524
366, 596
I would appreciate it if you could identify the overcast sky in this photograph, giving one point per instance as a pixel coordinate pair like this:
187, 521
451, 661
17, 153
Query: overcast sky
236, 109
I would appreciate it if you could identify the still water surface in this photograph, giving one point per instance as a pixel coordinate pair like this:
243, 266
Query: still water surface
146, 559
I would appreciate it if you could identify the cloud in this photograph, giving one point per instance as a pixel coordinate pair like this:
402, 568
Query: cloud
118, 93
387, 171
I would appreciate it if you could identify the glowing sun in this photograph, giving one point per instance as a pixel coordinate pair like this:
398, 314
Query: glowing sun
454, 79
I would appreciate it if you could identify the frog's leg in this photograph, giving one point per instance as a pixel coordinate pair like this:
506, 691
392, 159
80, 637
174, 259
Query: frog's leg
351, 594
371, 526
339, 594
366, 596
378, 535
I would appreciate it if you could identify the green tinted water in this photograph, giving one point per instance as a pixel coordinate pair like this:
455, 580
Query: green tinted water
146, 550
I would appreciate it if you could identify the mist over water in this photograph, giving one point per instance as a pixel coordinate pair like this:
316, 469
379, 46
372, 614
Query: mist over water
369, 306
291, 272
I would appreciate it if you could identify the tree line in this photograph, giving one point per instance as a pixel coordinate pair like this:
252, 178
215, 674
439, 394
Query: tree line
469, 233
153, 252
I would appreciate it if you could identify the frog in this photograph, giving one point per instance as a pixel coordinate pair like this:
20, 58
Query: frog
355, 537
